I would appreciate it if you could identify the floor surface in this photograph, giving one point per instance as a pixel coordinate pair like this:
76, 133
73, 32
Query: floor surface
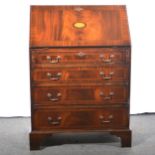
14, 140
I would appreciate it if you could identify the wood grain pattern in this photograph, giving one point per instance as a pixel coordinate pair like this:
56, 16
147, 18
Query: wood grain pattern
47, 57
78, 75
53, 26
80, 95
72, 118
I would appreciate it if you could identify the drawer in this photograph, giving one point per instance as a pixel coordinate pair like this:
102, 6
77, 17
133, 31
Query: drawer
58, 95
82, 56
75, 118
64, 75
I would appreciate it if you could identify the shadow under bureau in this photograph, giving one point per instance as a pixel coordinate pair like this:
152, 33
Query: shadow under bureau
80, 71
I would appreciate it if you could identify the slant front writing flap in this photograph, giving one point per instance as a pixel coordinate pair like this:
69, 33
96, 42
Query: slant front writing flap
79, 26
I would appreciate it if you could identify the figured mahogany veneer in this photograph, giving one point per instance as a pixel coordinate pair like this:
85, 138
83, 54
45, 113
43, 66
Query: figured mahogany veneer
80, 71
86, 118
58, 95
54, 26
85, 74
75, 57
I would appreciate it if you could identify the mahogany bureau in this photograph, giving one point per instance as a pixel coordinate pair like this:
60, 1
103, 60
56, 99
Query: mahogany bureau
80, 71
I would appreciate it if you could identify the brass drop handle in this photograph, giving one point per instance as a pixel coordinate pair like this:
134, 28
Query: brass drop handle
54, 122
54, 99
106, 77
109, 97
101, 94
106, 60
105, 120
81, 55
53, 61
54, 77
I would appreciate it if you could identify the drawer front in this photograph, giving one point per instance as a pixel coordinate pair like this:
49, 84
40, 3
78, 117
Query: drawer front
54, 57
92, 118
80, 95
106, 74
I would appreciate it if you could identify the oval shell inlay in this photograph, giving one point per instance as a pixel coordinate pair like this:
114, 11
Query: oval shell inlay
79, 25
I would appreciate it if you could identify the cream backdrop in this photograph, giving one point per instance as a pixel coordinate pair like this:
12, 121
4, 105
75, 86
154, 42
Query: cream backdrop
14, 48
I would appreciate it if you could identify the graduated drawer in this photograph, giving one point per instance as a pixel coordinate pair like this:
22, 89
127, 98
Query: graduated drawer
64, 75
82, 56
80, 95
75, 118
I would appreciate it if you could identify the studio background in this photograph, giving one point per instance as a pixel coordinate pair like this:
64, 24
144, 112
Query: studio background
14, 53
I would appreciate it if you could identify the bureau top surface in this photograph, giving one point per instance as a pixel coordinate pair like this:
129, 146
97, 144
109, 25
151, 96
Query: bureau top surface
67, 26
